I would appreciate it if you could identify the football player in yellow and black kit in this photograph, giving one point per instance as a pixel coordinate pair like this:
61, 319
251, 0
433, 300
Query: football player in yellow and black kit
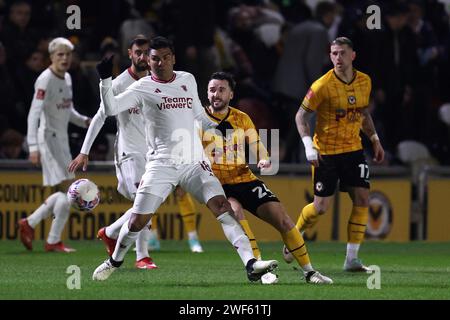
226, 149
340, 99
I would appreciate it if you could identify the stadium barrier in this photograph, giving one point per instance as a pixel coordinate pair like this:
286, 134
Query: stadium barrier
433, 188
390, 216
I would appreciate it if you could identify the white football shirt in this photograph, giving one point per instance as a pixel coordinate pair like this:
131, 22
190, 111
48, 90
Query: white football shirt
170, 110
130, 137
52, 108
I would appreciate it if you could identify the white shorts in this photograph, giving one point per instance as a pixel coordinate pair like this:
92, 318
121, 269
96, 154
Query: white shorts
129, 171
55, 157
160, 179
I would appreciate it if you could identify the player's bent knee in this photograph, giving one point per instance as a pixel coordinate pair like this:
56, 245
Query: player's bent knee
219, 204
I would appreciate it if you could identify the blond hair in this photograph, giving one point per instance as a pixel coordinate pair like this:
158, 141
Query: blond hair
57, 43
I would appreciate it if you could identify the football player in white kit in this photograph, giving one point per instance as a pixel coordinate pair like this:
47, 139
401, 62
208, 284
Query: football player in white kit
170, 105
50, 113
129, 151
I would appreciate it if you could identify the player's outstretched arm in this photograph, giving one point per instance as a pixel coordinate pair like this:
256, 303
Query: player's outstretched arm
94, 128
78, 119
80, 160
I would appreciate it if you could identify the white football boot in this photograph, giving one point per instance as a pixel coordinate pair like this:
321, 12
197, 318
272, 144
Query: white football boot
315, 277
103, 271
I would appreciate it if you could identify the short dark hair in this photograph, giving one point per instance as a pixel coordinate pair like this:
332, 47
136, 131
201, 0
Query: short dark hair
159, 42
140, 40
340, 41
221, 75
323, 8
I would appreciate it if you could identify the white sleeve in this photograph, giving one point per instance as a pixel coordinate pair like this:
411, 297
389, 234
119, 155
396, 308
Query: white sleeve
116, 104
78, 119
199, 110
94, 128
41, 93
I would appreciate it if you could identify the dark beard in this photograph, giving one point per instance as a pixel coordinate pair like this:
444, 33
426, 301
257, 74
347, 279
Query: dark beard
218, 109
140, 68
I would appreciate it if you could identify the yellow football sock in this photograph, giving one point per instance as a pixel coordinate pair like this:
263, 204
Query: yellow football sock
308, 217
251, 237
357, 223
187, 211
296, 245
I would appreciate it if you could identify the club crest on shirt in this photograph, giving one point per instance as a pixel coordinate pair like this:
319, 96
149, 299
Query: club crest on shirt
352, 99
184, 87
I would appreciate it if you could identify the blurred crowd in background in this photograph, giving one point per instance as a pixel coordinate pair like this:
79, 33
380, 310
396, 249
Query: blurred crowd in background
274, 48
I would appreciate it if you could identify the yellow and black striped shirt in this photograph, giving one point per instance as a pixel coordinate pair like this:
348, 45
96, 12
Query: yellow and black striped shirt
227, 154
338, 106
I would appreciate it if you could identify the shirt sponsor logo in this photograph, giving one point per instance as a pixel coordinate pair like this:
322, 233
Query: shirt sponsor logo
40, 94
352, 114
134, 110
175, 103
66, 103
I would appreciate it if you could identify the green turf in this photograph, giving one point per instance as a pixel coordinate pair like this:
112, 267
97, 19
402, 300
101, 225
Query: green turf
408, 271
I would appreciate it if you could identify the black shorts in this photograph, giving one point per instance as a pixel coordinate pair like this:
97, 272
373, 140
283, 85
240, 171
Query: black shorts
349, 168
250, 194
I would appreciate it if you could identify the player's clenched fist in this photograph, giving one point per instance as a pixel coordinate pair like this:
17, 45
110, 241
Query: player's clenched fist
104, 67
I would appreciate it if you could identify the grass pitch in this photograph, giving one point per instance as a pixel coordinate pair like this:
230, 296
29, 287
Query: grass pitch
408, 271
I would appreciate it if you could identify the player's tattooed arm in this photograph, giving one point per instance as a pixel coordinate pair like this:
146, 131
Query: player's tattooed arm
369, 129
367, 124
302, 119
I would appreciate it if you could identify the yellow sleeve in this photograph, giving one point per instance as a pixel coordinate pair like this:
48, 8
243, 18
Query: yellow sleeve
369, 90
313, 98
256, 147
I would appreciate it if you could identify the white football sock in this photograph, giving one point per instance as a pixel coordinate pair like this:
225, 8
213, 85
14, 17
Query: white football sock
44, 210
142, 244
112, 231
124, 241
192, 235
307, 267
236, 235
61, 211
352, 251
